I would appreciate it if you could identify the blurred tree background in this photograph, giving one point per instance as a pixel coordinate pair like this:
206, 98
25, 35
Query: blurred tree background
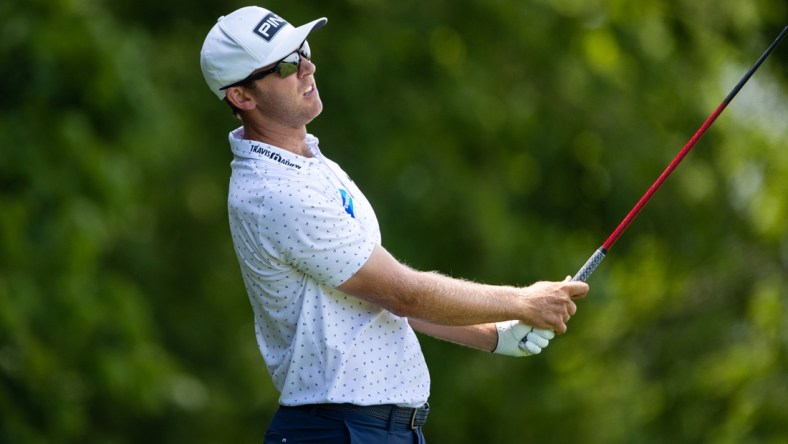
499, 140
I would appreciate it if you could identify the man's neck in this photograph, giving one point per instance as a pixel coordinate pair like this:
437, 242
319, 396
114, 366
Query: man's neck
290, 139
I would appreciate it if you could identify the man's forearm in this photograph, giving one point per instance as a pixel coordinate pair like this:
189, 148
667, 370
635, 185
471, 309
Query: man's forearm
482, 336
432, 296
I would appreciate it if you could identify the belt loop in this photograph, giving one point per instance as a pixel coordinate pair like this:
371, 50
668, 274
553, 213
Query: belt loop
392, 418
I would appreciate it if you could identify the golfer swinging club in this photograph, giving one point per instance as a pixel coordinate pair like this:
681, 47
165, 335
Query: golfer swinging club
334, 312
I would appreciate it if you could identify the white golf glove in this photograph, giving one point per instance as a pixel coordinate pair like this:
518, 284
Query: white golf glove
518, 339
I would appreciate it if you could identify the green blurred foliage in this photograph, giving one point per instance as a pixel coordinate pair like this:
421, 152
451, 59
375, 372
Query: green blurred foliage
499, 140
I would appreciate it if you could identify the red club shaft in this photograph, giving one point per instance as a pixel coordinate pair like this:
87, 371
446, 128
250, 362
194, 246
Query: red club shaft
600, 253
661, 179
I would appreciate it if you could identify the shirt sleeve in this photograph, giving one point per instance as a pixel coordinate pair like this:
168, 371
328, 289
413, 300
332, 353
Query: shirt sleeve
310, 230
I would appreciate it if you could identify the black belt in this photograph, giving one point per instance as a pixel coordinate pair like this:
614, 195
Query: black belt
414, 417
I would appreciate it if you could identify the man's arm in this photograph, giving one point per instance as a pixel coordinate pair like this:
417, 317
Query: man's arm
446, 301
482, 336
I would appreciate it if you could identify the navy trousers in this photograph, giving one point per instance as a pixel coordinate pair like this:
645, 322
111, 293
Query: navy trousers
298, 425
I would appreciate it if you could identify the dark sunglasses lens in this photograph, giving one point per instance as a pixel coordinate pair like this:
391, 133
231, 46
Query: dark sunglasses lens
290, 64
287, 68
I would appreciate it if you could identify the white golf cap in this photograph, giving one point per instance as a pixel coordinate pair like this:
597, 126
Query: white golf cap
246, 40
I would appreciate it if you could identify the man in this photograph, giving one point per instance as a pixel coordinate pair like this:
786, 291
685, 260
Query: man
335, 313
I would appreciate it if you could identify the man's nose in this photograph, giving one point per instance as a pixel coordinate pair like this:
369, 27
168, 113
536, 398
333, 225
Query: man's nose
306, 67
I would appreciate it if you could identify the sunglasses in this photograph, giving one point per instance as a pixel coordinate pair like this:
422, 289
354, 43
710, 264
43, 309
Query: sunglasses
285, 67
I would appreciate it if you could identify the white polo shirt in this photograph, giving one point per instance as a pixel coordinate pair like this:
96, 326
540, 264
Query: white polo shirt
300, 228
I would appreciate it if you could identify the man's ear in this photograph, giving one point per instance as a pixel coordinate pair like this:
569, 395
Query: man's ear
239, 98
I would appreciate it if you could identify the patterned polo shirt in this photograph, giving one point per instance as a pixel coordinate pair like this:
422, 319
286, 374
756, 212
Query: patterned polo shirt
300, 228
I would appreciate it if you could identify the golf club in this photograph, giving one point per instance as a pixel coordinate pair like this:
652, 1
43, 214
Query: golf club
596, 258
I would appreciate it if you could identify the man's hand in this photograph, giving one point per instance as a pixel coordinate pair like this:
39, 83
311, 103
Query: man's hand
551, 304
518, 339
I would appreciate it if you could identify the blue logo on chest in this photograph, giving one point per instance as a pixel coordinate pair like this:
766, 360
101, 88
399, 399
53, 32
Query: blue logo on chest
347, 202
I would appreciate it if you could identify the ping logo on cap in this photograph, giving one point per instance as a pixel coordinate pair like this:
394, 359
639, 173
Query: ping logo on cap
269, 26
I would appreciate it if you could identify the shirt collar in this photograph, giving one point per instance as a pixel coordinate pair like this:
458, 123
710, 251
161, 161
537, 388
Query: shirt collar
258, 150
